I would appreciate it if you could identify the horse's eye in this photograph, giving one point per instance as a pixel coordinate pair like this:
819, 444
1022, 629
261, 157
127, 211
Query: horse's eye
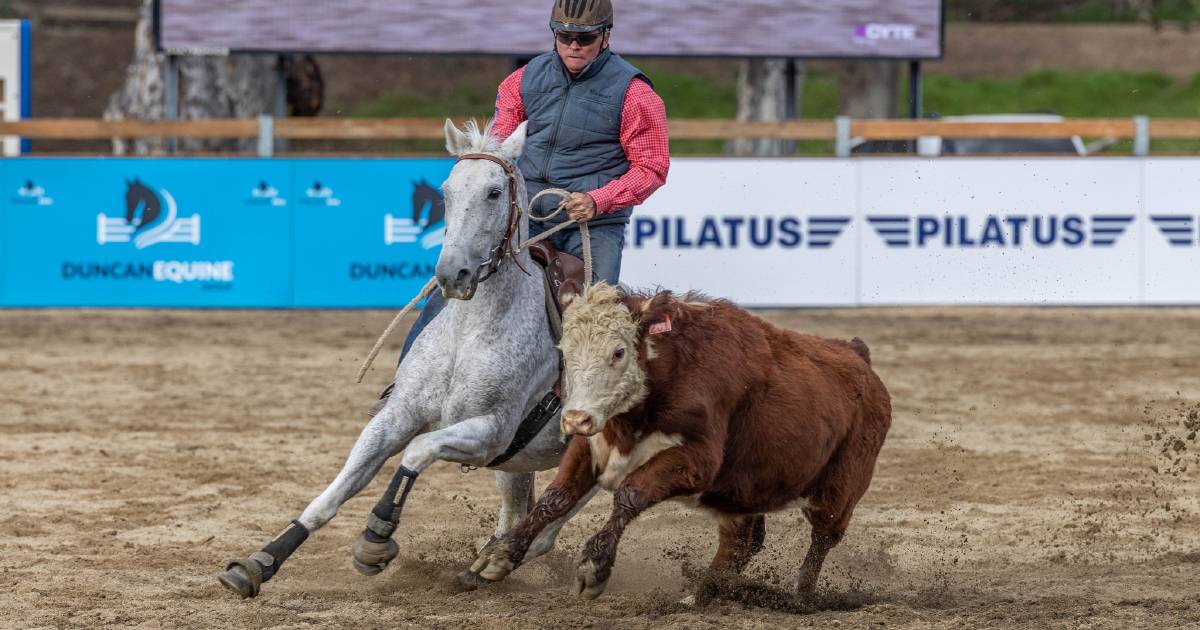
494, 194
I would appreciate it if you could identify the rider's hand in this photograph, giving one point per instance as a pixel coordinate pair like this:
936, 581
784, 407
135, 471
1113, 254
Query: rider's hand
581, 206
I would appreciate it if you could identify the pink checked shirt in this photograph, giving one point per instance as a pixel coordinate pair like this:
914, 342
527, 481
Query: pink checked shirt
643, 136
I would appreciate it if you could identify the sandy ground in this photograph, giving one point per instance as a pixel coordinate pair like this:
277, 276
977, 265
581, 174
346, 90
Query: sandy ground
1023, 484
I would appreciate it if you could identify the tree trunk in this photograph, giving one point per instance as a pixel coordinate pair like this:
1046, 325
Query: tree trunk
869, 89
762, 96
209, 87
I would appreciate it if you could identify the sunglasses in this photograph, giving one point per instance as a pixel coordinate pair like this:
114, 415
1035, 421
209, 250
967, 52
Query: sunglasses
583, 39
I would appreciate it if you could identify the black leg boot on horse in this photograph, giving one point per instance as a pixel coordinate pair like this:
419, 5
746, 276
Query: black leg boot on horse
375, 547
245, 577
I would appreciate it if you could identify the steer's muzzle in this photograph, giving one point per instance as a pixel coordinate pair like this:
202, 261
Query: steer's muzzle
576, 422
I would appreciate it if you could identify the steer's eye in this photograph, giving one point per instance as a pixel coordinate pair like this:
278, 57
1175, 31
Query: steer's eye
494, 194
617, 355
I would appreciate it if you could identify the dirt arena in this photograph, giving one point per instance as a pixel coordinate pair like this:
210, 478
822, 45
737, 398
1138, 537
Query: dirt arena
1036, 475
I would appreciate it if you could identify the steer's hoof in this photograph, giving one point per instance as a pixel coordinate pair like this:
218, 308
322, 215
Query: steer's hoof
371, 558
470, 581
589, 582
497, 569
243, 577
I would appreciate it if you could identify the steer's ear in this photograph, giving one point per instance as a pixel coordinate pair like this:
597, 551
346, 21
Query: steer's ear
654, 313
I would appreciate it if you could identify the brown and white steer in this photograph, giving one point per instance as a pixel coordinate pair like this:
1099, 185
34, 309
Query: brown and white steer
698, 400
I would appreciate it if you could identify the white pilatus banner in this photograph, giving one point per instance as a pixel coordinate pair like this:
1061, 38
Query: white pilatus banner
798, 232
761, 232
1172, 261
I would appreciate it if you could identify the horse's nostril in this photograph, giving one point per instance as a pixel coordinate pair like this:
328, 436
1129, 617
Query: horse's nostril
463, 275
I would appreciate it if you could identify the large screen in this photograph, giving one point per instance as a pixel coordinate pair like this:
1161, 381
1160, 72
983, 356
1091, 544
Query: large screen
901, 29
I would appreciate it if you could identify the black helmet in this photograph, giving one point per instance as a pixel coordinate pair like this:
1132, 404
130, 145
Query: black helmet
581, 16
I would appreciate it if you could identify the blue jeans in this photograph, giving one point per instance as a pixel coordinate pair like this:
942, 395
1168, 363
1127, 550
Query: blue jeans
607, 242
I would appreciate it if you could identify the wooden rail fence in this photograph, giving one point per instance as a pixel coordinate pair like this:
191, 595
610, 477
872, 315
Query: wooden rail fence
842, 131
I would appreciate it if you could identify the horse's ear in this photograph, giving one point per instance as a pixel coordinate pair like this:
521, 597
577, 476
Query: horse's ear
456, 140
511, 148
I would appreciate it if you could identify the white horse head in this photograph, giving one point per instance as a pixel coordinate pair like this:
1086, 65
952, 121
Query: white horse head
477, 204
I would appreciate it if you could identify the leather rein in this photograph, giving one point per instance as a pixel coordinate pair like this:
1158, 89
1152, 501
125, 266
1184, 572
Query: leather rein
507, 247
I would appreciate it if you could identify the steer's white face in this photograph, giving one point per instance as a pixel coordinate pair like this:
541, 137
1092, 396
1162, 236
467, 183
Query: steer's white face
601, 374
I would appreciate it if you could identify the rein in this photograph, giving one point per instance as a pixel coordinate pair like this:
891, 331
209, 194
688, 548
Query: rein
505, 249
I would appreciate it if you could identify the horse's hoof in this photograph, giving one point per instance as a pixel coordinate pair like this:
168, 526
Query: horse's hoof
243, 577
371, 558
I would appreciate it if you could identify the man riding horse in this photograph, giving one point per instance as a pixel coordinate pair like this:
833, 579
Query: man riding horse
596, 127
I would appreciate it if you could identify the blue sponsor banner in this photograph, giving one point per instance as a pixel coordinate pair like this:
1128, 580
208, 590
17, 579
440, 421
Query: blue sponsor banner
146, 232
367, 232
218, 232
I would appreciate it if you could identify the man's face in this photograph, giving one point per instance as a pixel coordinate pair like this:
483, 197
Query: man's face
578, 50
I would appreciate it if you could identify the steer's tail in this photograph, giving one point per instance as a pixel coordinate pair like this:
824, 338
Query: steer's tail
860, 346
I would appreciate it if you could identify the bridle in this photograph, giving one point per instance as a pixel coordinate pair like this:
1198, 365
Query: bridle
507, 247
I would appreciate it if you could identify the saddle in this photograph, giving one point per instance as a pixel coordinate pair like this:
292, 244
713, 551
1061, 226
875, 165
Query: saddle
563, 273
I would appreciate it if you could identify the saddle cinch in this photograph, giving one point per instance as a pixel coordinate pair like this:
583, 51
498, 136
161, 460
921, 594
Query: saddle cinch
563, 273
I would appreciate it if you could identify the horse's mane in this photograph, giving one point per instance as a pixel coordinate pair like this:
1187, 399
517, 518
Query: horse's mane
481, 139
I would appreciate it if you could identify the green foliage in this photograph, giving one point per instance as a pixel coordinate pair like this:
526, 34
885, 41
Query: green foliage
1102, 94
1154, 11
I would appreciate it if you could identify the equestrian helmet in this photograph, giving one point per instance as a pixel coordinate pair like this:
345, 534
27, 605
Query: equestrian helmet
581, 16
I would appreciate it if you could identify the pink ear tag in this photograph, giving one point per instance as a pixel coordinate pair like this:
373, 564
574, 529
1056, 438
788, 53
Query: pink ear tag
661, 327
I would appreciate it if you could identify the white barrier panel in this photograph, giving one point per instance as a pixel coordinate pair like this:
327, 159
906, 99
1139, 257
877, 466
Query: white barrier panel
14, 76
1000, 231
912, 231
761, 232
1172, 263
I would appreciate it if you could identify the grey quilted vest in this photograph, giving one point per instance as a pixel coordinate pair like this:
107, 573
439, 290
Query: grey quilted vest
573, 139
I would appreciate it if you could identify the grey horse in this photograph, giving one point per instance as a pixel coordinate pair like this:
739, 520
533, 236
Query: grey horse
470, 378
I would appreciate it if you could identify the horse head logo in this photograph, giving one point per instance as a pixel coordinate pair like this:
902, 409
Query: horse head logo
428, 206
142, 206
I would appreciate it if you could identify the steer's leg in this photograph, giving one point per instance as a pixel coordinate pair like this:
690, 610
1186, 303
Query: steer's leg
573, 484
831, 505
673, 472
741, 538
826, 534
384, 436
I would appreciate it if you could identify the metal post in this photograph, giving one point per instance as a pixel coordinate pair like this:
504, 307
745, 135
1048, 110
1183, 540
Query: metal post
841, 145
171, 93
790, 107
789, 103
916, 90
1141, 136
266, 136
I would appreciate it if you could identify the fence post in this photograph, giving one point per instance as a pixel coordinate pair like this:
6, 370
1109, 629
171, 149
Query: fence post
841, 145
266, 136
1141, 136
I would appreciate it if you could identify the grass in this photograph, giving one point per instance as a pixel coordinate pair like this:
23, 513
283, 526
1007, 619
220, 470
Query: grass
1098, 94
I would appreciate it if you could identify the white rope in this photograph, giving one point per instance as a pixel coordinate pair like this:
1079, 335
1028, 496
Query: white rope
429, 287
585, 237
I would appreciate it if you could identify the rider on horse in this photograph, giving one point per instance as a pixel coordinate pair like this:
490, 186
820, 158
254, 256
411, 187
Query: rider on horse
595, 125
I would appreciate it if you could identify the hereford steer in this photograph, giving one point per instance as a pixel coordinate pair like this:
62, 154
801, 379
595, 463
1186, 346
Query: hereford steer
698, 400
